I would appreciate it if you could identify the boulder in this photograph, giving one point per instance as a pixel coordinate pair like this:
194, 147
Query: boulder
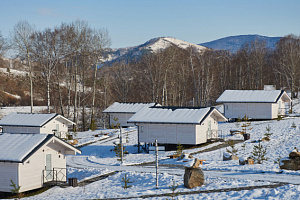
193, 177
234, 157
242, 161
294, 154
290, 163
226, 156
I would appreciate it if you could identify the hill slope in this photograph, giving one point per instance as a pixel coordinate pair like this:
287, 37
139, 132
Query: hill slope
233, 43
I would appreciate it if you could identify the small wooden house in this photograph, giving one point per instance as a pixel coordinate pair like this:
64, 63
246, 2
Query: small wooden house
119, 113
256, 104
31, 160
173, 125
50, 123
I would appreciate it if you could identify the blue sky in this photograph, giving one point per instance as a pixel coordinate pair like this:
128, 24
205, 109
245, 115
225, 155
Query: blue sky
133, 22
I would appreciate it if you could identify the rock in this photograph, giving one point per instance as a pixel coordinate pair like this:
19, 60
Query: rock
226, 156
196, 163
290, 163
294, 154
242, 161
190, 156
193, 177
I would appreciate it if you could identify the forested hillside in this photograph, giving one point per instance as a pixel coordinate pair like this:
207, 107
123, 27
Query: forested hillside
63, 64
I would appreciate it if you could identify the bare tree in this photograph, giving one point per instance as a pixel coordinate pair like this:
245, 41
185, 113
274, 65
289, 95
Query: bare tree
3, 45
22, 43
46, 52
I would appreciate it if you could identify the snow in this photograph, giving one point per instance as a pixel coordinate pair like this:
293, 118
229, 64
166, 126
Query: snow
27, 119
170, 115
126, 107
165, 42
97, 159
15, 147
249, 96
25, 109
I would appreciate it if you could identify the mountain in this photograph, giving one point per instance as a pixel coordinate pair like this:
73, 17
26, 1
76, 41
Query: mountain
234, 43
153, 45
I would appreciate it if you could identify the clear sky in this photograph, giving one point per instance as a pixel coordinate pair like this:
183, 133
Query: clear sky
133, 22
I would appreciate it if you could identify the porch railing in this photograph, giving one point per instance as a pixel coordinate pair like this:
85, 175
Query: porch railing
213, 134
61, 134
55, 175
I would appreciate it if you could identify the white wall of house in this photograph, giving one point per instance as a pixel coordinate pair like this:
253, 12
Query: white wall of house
252, 110
54, 124
20, 129
122, 118
46, 129
177, 133
8, 172
29, 175
31, 171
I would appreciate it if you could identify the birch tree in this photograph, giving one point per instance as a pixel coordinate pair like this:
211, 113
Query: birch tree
22, 43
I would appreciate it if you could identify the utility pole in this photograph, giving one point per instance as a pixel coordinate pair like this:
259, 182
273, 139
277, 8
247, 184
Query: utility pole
156, 152
121, 142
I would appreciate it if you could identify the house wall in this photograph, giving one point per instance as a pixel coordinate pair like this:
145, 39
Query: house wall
122, 118
8, 172
51, 125
167, 133
20, 129
31, 171
46, 129
252, 110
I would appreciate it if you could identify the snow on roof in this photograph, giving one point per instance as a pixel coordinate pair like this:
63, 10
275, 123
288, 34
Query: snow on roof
126, 107
15, 147
169, 115
26, 119
265, 96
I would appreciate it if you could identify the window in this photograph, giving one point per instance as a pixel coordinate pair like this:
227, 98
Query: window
142, 129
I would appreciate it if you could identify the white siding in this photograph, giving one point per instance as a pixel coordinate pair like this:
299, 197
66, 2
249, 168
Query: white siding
171, 133
157, 132
252, 110
122, 118
8, 172
52, 125
31, 172
186, 134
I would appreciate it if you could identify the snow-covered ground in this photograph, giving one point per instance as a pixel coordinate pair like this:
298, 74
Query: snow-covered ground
97, 159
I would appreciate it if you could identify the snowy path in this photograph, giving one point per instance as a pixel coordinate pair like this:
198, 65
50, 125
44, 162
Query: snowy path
82, 162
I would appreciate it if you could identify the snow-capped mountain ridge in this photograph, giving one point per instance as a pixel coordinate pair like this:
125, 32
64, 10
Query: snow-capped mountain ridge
152, 45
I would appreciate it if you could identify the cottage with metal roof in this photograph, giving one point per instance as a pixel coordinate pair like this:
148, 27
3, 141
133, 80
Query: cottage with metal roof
45, 123
173, 125
119, 113
32, 160
256, 104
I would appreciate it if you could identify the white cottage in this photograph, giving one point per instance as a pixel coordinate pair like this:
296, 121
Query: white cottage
173, 125
50, 123
256, 104
31, 160
119, 113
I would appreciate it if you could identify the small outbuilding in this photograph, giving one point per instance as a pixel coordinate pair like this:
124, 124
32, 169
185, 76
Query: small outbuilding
119, 113
44, 123
173, 125
256, 104
32, 160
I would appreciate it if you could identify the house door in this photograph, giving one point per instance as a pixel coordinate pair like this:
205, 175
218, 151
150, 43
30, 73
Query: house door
49, 172
209, 129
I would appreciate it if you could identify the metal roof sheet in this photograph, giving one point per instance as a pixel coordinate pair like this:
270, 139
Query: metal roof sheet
126, 107
263, 96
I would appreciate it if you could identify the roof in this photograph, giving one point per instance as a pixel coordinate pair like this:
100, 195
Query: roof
127, 107
30, 119
177, 115
19, 147
253, 96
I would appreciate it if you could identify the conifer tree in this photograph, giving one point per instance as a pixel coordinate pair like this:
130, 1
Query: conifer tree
126, 180
259, 153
